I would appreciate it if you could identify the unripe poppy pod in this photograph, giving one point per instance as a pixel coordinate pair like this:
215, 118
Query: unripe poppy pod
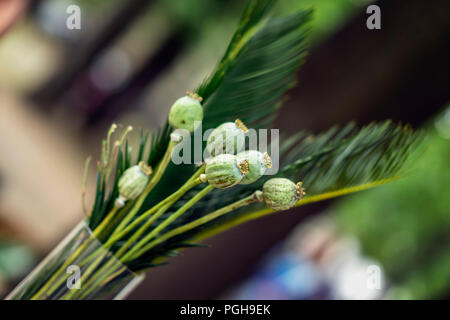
258, 164
229, 138
185, 112
281, 193
132, 183
225, 171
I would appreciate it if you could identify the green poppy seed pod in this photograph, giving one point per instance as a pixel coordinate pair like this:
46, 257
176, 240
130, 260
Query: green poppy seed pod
185, 112
229, 138
258, 164
224, 171
132, 183
282, 194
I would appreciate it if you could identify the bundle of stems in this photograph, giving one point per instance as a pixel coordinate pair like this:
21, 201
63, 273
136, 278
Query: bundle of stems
179, 205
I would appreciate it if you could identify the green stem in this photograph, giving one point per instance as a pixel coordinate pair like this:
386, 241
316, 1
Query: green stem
168, 221
254, 197
192, 182
105, 228
105, 222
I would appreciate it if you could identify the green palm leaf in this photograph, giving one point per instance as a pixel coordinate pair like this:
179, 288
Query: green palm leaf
265, 69
332, 164
250, 22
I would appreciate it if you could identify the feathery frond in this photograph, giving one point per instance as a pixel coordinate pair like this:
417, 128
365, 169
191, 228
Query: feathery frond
250, 22
335, 163
252, 90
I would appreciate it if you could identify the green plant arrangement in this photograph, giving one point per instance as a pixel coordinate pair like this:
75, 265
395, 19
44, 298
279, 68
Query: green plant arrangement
147, 208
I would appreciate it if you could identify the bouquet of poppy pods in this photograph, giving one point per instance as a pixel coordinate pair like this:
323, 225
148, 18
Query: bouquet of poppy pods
146, 208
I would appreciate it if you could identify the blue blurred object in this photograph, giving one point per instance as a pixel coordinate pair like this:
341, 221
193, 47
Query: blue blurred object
284, 275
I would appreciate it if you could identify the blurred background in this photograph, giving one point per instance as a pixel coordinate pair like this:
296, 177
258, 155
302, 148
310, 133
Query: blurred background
61, 88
